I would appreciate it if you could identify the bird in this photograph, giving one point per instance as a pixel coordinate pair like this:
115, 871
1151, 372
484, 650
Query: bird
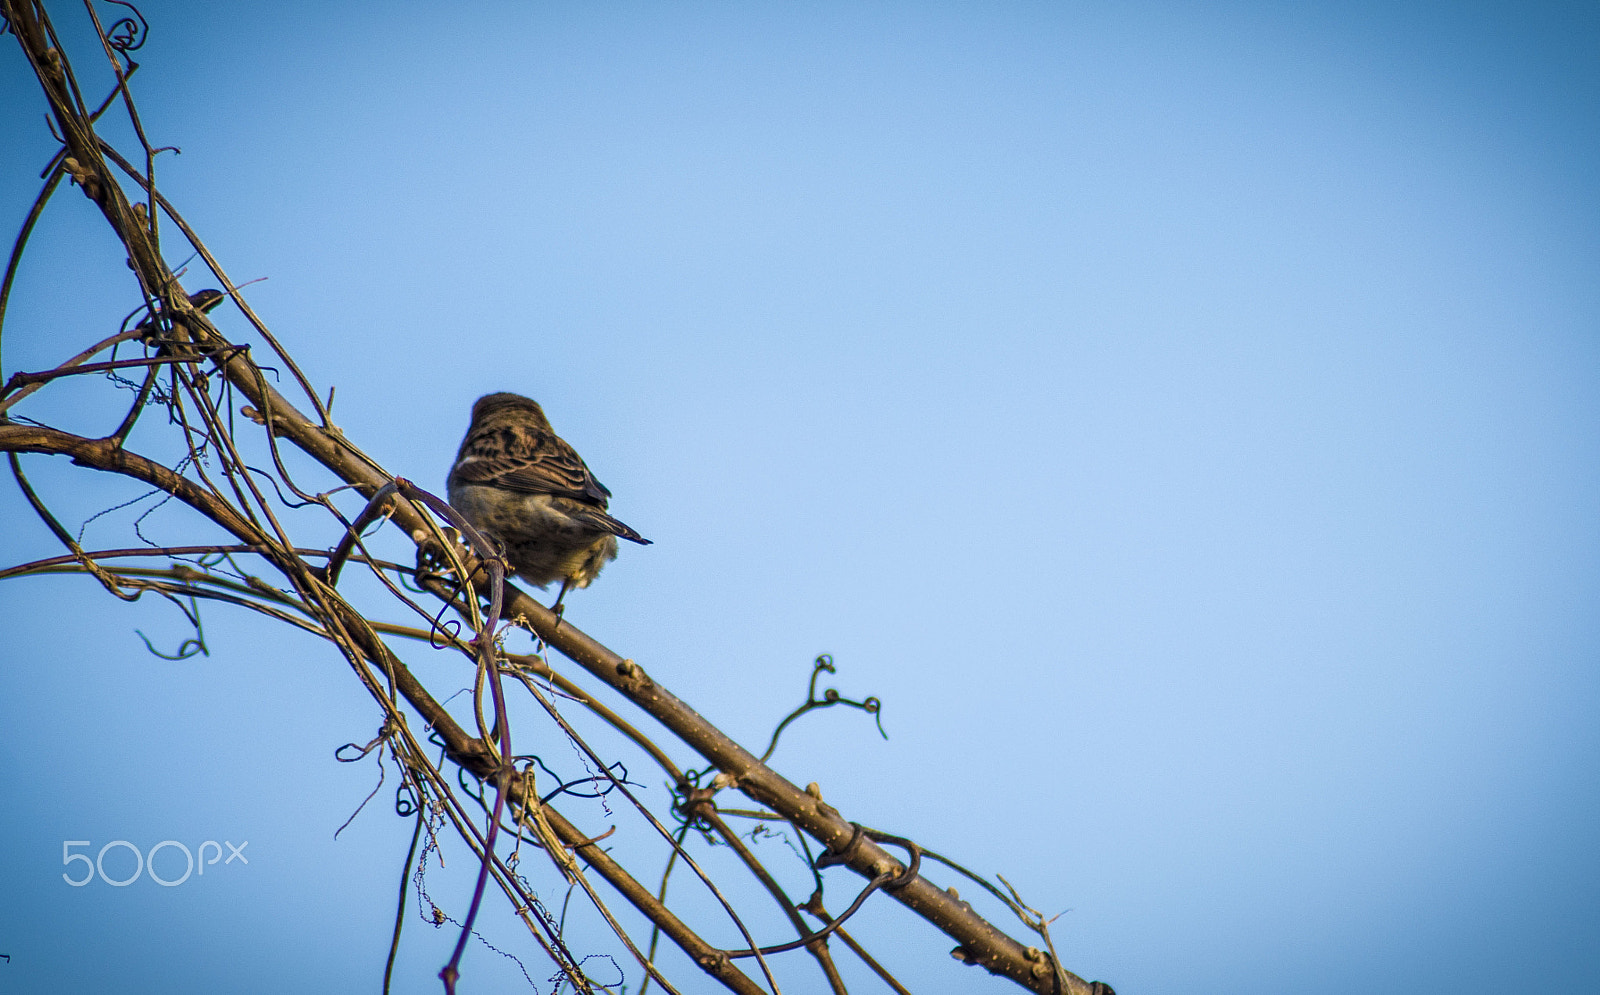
518, 482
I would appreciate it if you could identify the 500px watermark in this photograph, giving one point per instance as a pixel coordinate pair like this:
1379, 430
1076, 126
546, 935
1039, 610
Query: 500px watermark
145, 862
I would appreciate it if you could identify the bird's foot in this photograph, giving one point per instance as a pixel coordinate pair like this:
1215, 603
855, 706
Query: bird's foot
558, 609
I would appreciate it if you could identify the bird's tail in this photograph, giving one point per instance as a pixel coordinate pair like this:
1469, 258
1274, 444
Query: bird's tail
605, 523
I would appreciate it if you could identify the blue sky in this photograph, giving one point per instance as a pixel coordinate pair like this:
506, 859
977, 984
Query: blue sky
1184, 419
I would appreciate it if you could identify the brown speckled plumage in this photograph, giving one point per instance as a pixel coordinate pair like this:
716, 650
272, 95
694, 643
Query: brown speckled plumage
521, 484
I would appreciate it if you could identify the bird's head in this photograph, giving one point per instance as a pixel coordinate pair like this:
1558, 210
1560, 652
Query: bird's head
504, 401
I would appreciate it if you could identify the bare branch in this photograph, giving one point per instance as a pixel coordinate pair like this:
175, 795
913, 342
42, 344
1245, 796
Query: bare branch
200, 376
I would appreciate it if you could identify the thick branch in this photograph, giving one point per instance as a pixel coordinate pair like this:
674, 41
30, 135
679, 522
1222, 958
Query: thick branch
980, 941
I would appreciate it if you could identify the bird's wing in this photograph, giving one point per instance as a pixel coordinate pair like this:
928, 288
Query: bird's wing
540, 465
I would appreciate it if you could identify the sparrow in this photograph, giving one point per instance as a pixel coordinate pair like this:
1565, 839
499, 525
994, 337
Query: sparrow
522, 485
